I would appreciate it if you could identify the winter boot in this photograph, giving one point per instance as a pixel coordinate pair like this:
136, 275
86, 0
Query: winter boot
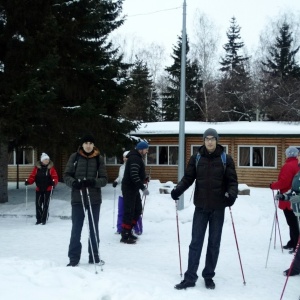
126, 237
288, 246
72, 264
98, 261
209, 283
184, 284
293, 272
132, 236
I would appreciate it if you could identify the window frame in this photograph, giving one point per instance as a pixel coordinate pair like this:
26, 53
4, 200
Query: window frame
168, 155
263, 156
23, 150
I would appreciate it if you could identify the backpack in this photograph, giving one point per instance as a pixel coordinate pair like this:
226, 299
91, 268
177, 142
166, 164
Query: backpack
223, 157
296, 183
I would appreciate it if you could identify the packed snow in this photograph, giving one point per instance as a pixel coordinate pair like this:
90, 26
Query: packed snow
33, 258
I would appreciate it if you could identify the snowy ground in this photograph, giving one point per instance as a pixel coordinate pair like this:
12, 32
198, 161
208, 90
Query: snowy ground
33, 258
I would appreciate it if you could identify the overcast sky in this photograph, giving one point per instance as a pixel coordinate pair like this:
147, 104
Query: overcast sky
160, 21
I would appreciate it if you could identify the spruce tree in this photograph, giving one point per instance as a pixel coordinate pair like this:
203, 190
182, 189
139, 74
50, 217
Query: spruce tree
142, 101
235, 83
171, 97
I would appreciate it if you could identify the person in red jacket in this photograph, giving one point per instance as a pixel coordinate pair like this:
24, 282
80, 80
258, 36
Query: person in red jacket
45, 177
284, 184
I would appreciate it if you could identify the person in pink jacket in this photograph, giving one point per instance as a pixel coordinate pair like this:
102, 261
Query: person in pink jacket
284, 184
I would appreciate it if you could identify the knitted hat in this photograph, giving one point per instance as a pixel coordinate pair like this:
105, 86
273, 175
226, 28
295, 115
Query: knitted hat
142, 146
125, 153
291, 152
210, 132
87, 138
44, 156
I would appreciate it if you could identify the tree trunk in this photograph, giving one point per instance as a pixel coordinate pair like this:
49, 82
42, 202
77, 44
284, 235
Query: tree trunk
3, 172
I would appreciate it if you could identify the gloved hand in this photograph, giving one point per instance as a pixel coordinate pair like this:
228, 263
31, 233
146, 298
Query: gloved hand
145, 192
283, 197
271, 185
88, 182
115, 183
229, 199
175, 194
77, 184
26, 182
52, 183
147, 179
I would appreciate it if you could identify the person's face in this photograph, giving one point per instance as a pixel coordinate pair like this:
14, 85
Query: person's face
45, 162
125, 159
88, 147
210, 143
144, 151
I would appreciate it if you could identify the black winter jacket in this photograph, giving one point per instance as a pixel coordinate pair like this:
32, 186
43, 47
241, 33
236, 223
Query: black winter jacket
86, 168
213, 180
134, 174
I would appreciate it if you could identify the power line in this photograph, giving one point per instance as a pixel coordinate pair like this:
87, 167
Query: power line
154, 12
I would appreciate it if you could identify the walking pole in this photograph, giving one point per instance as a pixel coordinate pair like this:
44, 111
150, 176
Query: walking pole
88, 228
26, 197
274, 220
237, 246
277, 222
114, 208
178, 238
94, 228
295, 203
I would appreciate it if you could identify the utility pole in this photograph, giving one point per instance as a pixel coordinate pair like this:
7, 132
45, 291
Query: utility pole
181, 154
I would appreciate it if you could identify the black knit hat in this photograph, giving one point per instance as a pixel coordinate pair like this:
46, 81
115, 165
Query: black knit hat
87, 138
210, 132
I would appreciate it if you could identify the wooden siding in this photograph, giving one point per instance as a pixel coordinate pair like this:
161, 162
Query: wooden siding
252, 176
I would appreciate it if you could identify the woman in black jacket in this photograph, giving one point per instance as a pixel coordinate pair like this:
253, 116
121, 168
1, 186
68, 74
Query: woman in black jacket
85, 172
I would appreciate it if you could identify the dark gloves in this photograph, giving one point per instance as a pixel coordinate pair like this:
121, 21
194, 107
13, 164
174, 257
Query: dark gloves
229, 199
147, 179
175, 194
271, 185
115, 183
26, 182
145, 192
283, 197
77, 184
88, 182
52, 183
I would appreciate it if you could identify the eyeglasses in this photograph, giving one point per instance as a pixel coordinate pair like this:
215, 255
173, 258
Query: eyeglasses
207, 139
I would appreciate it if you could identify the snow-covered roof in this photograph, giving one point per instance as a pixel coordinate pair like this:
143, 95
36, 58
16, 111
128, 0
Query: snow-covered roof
223, 128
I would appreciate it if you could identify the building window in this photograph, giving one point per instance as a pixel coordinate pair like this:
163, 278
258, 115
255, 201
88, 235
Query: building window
195, 148
162, 155
24, 157
257, 156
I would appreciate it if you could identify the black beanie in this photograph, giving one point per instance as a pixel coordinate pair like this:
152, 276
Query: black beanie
210, 132
87, 138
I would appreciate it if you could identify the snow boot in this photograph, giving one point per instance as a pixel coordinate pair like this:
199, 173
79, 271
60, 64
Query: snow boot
126, 237
72, 264
184, 284
98, 261
293, 272
209, 283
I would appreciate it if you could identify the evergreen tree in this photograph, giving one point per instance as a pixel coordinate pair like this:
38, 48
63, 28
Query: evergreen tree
281, 61
235, 83
60, 76
282, 77
171, 97
142, 102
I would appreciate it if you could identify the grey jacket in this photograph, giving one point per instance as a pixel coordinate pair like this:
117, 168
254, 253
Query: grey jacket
86, 167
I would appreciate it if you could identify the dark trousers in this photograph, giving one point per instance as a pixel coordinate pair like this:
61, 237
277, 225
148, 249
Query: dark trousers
77, 224
292, 221
138, 227
202, 218
42, 205
132, 207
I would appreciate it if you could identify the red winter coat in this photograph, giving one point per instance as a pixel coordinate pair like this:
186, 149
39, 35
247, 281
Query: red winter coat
50, 175
285, 179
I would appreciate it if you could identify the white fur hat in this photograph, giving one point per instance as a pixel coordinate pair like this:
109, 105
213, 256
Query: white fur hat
125, 153
44, 156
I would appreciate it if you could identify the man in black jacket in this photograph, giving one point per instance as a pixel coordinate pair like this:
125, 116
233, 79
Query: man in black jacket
216, 187
133, 181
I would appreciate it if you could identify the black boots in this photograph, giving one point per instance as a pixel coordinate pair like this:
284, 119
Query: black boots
127, 237
209, 283
184, 284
